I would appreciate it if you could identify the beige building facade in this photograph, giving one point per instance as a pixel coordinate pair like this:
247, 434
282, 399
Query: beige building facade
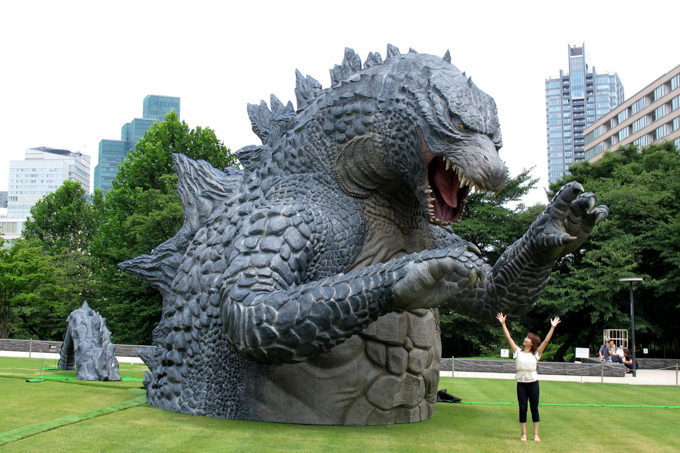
651, 115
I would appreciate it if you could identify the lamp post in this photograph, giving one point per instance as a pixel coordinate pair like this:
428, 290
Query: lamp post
632, 280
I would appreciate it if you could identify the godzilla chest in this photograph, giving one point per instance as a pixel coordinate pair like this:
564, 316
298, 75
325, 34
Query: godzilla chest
387, 374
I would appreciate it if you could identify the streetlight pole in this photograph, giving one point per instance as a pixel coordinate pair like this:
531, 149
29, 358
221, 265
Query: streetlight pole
632, 280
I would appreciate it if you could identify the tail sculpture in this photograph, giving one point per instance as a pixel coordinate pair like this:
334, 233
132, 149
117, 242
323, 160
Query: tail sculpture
87, 345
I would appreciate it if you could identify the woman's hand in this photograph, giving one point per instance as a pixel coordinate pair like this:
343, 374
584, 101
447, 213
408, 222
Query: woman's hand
554, 322
501, 317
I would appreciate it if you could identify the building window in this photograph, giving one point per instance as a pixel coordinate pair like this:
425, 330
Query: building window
624, 133
676, 124
642, 141
675, 82
660, 92
639, 105
623, 116
599, 148
661, 132
640, 124
661, 111
675, 103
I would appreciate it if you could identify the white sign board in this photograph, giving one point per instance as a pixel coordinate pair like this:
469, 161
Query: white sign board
505, 353
645, 351
582, 353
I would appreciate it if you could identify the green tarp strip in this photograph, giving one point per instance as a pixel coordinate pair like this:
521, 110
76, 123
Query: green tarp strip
72, 378
31, 430
578, 405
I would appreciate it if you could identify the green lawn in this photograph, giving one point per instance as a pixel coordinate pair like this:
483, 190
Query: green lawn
95, 418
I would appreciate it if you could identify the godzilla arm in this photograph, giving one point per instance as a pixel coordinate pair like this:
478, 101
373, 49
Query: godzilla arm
516, 281
270, 310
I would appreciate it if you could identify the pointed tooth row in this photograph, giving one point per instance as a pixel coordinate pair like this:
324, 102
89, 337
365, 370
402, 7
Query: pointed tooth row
474, 188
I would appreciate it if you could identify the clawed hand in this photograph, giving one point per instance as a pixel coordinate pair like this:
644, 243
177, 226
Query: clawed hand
555, 321
567, 221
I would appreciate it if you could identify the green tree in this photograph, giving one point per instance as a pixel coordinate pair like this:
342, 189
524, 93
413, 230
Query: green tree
28, 281
492, 225
63, 219
640, 237
63, 224
140, 212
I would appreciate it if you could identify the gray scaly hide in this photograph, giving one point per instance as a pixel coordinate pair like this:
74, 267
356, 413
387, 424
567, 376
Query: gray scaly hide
87, 345
305, 288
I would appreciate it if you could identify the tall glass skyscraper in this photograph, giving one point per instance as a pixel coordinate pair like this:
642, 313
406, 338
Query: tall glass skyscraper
574, 101
113, 152
156, 107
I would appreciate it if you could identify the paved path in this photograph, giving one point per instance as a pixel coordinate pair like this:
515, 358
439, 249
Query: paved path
644, 377
53, 356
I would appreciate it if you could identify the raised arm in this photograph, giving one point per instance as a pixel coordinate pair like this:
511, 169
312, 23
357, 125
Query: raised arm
501, 317
553, 323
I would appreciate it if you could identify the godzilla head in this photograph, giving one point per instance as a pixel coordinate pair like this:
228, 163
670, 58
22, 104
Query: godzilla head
459, 136
413, 118
431, 127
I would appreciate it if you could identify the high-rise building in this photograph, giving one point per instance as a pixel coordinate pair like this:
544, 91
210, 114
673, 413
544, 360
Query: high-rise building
574, 101
43, 171
651, 115
113, 152
156, 107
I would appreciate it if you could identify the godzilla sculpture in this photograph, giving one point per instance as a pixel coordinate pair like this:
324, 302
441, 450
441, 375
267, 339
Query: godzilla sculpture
305, 288
87, 345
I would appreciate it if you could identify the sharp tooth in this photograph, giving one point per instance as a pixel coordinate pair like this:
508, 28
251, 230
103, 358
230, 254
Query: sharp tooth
428, 191
448, 164
463, 182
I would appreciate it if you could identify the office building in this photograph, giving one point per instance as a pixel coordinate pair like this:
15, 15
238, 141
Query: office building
651, 115
43, 171
574, 101
113, 152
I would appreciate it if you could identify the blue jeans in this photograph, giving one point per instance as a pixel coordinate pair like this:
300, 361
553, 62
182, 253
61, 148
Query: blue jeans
528, 391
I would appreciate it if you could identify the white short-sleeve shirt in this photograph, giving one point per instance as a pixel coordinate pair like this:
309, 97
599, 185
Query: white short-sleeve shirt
527, 365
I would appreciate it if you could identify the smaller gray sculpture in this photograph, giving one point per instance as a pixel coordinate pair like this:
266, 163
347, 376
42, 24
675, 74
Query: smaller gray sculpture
87, 345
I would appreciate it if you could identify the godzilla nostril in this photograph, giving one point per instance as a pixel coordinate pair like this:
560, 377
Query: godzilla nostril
486, 159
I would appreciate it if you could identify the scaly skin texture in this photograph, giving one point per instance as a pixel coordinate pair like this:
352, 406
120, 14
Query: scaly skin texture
306, 288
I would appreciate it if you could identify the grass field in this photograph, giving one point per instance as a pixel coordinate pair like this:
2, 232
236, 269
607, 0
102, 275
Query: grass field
55, 416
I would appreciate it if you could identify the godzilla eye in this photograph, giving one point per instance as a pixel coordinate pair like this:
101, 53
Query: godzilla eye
461, 127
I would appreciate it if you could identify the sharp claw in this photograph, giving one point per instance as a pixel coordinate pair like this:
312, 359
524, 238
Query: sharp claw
577, 187
473, 248
566, 239
472, 276
591, 202
602, 213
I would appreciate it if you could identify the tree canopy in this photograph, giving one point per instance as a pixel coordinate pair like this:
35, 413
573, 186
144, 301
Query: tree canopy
29, 281
640, 237
142, 211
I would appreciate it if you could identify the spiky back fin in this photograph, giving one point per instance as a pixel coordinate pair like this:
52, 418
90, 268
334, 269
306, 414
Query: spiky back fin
261, 118
373, 59
306, 89
392, 51
203, 191
351, 64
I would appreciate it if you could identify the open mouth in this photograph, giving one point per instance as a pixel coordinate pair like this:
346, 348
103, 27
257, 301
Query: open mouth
447, 190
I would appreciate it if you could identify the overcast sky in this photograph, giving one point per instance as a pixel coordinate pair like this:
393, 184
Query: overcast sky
72, 73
